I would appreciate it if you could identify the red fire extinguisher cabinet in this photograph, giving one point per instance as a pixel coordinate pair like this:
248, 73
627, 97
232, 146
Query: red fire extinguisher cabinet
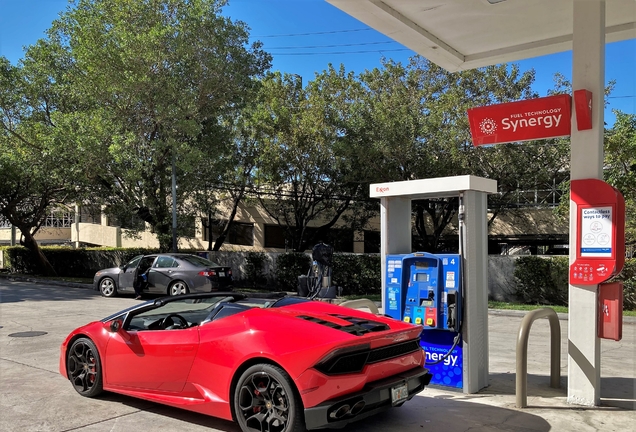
610, 311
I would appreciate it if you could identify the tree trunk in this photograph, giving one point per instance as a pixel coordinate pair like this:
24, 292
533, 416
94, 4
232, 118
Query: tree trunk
226, 229
31, 244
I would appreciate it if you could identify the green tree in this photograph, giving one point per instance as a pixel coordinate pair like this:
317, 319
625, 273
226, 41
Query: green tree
158, 77
417, 128
304, 176
40, 158
620, 166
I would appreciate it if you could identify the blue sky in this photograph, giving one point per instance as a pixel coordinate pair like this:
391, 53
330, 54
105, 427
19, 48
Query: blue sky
304, 36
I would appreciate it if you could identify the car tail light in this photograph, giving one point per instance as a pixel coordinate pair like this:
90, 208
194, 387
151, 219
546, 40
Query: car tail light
207, 273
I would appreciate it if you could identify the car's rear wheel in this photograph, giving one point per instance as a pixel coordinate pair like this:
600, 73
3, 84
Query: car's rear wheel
84, 368
177, 288
264, 400
107, 287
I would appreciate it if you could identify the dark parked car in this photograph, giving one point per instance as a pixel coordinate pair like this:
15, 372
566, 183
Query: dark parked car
168, 273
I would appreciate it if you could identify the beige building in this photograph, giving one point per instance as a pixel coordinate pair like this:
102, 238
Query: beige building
529, 230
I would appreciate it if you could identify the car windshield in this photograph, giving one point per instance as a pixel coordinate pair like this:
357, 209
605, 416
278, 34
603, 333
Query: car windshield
194, 310
198, 261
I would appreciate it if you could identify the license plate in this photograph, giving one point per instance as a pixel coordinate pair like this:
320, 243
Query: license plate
399, 393
221, 274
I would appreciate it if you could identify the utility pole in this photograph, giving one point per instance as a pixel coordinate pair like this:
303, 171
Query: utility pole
174, 203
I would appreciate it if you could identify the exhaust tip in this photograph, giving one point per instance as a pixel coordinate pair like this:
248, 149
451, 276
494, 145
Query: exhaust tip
340, 412
357, 408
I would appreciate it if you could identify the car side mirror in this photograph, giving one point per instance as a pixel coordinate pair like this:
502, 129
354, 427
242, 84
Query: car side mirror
115, 325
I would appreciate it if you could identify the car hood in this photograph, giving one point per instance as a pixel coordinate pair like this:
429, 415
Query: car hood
108, 271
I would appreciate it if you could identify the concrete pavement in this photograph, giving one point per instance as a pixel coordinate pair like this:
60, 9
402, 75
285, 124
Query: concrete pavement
34, 397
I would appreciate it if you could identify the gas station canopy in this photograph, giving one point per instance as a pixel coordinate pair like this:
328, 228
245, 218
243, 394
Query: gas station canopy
466, 34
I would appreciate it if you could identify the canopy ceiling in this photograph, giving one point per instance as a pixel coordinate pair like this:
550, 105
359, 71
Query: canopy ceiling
465, 34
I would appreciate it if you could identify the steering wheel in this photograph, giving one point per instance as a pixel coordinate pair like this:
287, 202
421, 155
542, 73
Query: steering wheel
168, 323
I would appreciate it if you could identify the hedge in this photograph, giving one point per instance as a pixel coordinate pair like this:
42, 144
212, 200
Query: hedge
288, 267
68, 262
544, 281
539, 280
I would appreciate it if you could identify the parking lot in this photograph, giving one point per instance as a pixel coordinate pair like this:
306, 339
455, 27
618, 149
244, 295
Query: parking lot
35, 397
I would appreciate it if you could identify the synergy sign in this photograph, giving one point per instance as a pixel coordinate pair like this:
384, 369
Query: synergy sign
547, 117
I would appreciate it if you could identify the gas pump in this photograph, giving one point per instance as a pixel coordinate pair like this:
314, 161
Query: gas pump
426, 289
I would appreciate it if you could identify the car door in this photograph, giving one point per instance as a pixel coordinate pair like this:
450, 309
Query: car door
151, 359
162, 273
128, 274
144, 267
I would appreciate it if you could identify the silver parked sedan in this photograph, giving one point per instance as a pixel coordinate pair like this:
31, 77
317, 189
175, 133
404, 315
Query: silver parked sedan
167, 273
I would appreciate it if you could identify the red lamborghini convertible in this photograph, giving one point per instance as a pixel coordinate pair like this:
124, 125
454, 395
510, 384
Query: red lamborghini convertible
274, 363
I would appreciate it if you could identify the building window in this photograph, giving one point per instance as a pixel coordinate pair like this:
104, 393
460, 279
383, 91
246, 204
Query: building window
341, 240
274, 237
4, 223
241, 233
371, 241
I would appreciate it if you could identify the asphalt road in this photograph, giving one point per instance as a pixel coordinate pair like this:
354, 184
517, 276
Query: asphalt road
35, 397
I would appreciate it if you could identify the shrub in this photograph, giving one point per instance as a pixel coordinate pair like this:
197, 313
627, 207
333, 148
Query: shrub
288, 267
545, 281
69, 262
628, 276
255, 269
357, 274
542, 280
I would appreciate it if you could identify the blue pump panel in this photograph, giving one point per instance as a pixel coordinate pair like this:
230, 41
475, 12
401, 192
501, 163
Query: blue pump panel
394, 303
425, 289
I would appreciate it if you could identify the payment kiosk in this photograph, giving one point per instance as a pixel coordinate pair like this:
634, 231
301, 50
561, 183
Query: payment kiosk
425, 289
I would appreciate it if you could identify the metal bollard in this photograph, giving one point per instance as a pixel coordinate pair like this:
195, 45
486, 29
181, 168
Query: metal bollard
522, 352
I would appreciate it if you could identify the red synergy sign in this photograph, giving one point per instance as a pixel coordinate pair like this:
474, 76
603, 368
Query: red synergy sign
533, 119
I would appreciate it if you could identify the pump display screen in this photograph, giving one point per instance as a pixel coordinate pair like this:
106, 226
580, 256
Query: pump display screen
421, 264
421, 277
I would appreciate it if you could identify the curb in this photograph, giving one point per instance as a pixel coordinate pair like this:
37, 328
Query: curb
45, 281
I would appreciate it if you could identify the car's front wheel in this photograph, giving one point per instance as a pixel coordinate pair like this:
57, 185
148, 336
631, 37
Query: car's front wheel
84, 368
177, 288
264, 400
107, 287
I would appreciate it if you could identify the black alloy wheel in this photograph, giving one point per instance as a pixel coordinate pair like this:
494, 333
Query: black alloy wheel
84, 368
265, 400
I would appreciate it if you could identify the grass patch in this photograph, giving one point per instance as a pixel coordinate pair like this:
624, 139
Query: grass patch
527, 307
372, 297
524, 307
68, 279
493, 305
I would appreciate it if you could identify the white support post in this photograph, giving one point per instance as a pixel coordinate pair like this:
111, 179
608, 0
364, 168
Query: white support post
475, 327
395, 231
77, 226
588, 72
